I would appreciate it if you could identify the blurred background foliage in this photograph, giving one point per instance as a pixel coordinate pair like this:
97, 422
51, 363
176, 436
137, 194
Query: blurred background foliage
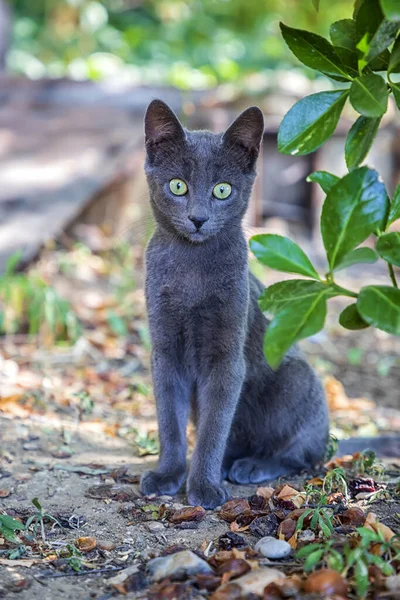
190, 44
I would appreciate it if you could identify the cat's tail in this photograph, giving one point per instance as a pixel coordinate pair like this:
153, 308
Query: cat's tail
385, 446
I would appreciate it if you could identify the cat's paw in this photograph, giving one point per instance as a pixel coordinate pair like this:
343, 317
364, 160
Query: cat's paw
249, 470
206, 494
161, 483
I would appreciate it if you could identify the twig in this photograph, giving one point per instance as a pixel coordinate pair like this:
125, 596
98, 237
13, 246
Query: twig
83, 573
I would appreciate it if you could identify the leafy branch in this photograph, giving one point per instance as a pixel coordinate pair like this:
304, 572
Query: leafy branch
357, 205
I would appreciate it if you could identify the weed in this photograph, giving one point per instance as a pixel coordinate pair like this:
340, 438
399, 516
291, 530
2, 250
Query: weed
38, 519
28, 302
320, 519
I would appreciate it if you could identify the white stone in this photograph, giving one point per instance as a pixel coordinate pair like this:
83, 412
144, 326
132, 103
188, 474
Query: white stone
177, 565
154, 526
274, 549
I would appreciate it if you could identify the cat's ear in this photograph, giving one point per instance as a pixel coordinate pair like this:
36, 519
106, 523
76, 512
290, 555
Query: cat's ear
161, 124
247, 130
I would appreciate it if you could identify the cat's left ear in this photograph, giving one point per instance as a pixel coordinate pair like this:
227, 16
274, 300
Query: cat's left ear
246, 131
161, 124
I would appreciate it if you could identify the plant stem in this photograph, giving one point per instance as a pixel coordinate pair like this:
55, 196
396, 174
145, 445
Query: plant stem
392, 275
343, 291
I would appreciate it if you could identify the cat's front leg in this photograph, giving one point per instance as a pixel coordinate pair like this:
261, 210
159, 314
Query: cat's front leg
219, 394
172, 393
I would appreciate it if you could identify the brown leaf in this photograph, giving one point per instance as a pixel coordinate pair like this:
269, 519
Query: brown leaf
86, 544
231, 509
265, 492
372, 523
235, 527
188, 513
353, 516
4, 493
286, 529
233, 568
289, 495
326, 582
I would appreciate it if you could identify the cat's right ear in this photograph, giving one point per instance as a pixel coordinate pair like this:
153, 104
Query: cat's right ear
161, 124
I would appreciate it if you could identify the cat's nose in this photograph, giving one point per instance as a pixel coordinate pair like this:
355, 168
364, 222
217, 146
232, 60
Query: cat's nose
198, 222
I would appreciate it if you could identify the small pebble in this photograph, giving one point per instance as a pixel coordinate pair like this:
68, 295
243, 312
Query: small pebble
272, 548
165, 498
306, 536
176, 566
154, 526
105, 545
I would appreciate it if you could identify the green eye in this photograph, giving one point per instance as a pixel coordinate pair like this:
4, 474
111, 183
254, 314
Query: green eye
178, 187
222, 191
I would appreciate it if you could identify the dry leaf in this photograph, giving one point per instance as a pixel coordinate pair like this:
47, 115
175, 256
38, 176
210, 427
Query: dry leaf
188, 513
289, 494
372, 523
18, 563
265, 492
233, 508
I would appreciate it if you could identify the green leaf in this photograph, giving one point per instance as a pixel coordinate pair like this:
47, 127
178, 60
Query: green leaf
391, 9
316, 4
359, 255
343, 34
388, 247
359, 140
361, 577
13, 262
37, 504
326, 180
274, 298
280, 253
313, 559
394, 212
307, 550
297, 320
354, 208
396, 92
351, 319
10, 523
384, 566
379, 305
314, 51
383, 37
369, 95
325, 525
300, 522
310, 122
335, 560
394, 62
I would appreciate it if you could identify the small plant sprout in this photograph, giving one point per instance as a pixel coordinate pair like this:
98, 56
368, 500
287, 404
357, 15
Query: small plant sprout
320, 520
37, 519
365, 463
335, 481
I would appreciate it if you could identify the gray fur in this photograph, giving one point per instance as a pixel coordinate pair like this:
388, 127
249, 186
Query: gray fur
206, 328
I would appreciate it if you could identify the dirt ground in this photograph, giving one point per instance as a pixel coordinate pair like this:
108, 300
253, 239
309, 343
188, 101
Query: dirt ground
71, 416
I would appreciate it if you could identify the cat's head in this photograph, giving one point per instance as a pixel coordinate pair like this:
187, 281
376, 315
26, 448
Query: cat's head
200, 182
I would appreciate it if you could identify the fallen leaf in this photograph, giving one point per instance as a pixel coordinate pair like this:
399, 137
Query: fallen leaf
231, 509
286, 529
233, 568
372, 523
326, 582
265, 492
5, 493
82, 469
188, 513
18, 562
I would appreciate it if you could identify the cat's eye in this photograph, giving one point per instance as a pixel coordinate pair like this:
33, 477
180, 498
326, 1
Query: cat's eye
222, 191
178, 187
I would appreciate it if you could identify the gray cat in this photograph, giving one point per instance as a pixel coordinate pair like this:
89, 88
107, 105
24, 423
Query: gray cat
253, 423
